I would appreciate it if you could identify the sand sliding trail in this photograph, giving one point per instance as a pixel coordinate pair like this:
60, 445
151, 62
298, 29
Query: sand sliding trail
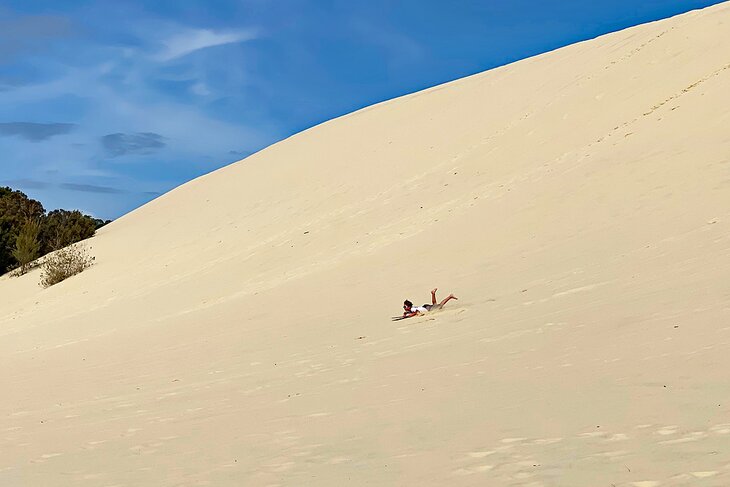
236, 331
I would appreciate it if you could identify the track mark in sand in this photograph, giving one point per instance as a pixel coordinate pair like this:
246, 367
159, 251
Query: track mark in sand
704, 475
45, 457
593, 434
142, 449
589, 287
546, 441
657, 106
338, 460
618, 437
472, 470
512, 440
611, 454
686, 90
283, 467
721, 429
667, 430
638, 49
93, 444
481, 454
694, 436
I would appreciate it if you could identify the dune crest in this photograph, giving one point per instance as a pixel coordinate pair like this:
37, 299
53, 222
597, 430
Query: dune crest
236, 330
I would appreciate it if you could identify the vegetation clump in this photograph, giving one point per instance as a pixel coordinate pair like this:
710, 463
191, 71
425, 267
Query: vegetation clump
65, 263
27, 246
55, 230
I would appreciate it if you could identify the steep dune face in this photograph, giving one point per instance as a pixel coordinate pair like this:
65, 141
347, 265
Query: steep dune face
235, 331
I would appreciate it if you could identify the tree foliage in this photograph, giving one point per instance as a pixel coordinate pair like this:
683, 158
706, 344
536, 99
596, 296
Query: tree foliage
57, 229
27, 246
62, 228
15, 209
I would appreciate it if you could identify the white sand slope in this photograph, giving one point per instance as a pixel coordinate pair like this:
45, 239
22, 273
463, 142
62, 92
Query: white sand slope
236, 331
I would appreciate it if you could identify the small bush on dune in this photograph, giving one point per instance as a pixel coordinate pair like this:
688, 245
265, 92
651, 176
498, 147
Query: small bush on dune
65, 263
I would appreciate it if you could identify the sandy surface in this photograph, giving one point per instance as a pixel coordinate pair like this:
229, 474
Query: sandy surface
236, 331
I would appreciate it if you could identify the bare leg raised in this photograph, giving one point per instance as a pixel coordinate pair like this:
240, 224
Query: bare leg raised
446, 300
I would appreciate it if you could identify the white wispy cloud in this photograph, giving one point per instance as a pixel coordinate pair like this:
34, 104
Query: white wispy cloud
148, 94
189, 41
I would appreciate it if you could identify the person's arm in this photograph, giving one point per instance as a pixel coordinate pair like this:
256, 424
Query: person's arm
411, 314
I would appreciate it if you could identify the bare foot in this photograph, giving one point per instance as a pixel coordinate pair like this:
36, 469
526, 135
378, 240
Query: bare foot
452, 296
433, 291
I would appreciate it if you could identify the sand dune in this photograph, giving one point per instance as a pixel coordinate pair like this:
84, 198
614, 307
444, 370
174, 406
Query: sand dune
236, 330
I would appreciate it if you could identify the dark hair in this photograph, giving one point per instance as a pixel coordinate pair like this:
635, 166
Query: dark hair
407, 303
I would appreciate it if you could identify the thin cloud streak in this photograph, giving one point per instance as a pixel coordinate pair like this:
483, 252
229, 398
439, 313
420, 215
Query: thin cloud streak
91, 188
35, 132
25, 184
187, 42
141, 143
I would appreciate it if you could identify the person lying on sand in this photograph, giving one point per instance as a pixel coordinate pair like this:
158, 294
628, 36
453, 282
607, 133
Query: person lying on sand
410, 310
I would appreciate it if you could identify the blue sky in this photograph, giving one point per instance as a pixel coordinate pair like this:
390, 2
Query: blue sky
107, 104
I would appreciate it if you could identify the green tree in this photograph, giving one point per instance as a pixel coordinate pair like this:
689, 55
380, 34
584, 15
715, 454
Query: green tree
15, 209
27, 245
58, 229
61, 228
